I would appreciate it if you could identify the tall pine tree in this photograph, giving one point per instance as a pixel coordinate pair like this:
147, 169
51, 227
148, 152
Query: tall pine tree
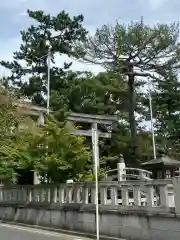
60, 33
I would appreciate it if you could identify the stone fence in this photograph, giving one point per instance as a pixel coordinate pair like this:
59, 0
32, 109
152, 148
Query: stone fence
155, 194
136, 210
126, 173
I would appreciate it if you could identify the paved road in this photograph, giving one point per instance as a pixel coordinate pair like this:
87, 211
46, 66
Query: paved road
12, 232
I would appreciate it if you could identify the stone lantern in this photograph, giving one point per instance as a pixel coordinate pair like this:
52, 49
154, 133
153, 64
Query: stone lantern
163, 167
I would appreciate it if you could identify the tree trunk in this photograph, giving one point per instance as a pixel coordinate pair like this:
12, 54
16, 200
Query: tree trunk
132, 120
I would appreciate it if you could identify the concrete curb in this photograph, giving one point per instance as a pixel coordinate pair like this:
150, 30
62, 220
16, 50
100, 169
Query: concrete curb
79, 234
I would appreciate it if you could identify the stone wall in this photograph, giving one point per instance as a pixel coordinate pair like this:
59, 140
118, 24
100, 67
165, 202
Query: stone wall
114, 222
135, 210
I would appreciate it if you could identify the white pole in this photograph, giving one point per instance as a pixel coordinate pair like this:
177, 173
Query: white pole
48, 79
48, 90
96, 164
152, 126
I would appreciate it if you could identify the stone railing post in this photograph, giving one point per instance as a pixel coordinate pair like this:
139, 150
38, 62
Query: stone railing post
150, 195
125, 195
121, 169
18, 194
103, 194
12, 195
7, 195
48, 194
114, 194
163, 195
85, 194
69, 193
176, 184
24, 194
76, 192
61, 193
137, 195
35, 194
93, 194
29, 194
42, 195
4, 195
54, 194
36, 178
1, 194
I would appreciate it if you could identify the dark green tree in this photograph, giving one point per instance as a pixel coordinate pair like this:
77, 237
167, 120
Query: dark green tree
11, 118
166, 111
106, 94
136, 51
103, 93
60, 33
52, 151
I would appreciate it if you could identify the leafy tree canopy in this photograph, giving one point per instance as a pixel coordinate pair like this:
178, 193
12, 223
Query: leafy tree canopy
23, 145
59, 33
54, 152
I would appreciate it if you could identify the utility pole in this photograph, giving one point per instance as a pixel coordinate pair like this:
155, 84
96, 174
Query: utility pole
96, 168
151, 115
48, 79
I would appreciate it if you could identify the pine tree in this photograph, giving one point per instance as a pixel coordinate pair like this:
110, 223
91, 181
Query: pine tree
137, 51
59, 33
167, 110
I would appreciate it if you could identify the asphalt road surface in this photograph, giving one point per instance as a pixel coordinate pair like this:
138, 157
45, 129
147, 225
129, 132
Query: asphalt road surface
12, 232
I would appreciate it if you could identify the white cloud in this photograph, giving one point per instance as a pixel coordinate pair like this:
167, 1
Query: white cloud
24, 14
7, 52
10, 4
156, 4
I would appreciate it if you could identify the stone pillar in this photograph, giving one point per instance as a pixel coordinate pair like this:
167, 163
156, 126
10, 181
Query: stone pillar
114, 195
85, 194
36, 178
137, 194
150, 195
121, 169
163, 195
125, 195
103, 194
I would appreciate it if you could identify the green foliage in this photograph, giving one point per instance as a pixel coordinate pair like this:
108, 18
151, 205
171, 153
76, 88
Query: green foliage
23, 145
166, 106
135, 51
53, 152
33, 51
91, 176
10, 118
136, 44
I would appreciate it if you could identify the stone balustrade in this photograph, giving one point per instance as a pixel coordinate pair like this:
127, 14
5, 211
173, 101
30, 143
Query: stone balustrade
137, 173
144, 194
129, 173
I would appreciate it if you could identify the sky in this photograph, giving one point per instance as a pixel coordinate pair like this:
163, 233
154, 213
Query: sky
13, 18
